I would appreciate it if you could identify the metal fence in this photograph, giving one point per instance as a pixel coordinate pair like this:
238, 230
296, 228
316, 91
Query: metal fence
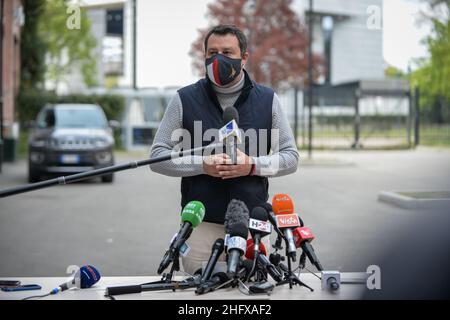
363, 114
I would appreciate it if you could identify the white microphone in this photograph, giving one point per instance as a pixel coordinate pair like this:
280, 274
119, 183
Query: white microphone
230, 134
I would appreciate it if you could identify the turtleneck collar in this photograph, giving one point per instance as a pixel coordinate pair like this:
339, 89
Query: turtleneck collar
237, 87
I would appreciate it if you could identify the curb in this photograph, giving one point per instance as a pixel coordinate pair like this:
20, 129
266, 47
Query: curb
402, 201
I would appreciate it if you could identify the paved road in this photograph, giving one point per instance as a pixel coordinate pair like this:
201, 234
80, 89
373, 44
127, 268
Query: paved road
124, 228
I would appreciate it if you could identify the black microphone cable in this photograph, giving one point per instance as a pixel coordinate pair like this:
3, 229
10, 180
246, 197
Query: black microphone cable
42, 296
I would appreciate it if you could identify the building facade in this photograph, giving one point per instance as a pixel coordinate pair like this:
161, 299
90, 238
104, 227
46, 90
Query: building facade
12, 19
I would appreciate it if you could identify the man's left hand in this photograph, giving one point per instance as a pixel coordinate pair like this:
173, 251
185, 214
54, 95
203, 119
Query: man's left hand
242, 168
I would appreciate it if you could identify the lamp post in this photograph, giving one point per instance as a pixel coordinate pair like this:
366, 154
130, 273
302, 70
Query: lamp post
310, 77
249, 9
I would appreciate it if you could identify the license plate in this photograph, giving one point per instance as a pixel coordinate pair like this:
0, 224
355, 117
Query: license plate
70, 158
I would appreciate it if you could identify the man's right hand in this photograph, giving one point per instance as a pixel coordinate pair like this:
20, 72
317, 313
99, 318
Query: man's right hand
212, 163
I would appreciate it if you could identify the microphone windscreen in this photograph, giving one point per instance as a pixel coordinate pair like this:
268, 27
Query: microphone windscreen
259, 213
89, 276
239, 230
229, 114
237, 212
193, 212
267, 206
302, 234
282, 204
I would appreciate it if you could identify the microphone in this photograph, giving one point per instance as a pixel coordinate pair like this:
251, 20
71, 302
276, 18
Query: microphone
283, 207
273, 220
303, 237
262, 261
229, 134
216, 251
331, 280
84, 278
212, 284
237, 245
237, 212
259, 227
191, 282
282, 204
237, 215
191, 216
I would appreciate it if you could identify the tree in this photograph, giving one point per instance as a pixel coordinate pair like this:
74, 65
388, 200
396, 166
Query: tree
33, 47
67, 48
433, 74
277, 40
393, 72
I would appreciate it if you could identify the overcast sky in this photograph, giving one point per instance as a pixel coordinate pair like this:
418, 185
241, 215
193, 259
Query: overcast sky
170, 26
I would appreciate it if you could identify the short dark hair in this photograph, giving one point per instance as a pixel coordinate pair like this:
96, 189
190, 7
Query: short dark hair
224, 29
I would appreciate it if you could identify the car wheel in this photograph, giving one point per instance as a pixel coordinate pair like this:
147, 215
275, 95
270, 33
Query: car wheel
108, 178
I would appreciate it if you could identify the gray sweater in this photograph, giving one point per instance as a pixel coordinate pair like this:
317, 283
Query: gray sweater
282, 160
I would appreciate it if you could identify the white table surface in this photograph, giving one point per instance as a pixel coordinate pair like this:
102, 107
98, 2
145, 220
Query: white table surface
346, 291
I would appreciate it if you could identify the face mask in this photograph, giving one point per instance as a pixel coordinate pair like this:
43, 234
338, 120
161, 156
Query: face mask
222, 70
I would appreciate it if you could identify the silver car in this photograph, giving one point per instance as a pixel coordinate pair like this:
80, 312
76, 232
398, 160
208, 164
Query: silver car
68, 139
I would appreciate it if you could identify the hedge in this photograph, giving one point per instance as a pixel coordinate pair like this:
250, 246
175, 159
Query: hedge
29, 104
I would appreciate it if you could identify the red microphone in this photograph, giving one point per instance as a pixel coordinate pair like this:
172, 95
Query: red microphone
302, 234
250, 253
303, 237
262, 260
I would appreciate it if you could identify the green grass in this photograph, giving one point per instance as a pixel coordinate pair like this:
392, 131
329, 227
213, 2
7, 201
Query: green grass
430, 135
427, 195
23, 144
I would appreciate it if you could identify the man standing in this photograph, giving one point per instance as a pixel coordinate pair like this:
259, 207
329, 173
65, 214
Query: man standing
213, 179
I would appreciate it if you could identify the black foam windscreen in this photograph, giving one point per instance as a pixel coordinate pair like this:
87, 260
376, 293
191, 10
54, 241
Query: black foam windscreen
229, 114
266, 206
237, 212
239, 230
259, 213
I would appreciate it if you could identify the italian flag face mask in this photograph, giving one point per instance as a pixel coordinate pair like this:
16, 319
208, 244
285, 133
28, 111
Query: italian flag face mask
222, 70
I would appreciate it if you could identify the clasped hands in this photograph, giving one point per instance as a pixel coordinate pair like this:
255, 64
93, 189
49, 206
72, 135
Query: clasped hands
220, 165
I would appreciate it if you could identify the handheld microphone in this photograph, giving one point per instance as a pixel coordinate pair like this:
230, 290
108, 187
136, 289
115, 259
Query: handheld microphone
262, 261
282, 204
273, 221
283, 207
237, 212
258, 226
229, 134
84, 278
237, 245
216, 251
212, 284
303, 237
191, 216
191, 282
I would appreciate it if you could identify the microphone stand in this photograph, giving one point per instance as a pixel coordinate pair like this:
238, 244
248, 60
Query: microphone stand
290, 277
99, 172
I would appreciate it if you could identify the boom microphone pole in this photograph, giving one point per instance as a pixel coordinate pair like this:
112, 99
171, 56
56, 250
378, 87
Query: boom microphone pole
98, 172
